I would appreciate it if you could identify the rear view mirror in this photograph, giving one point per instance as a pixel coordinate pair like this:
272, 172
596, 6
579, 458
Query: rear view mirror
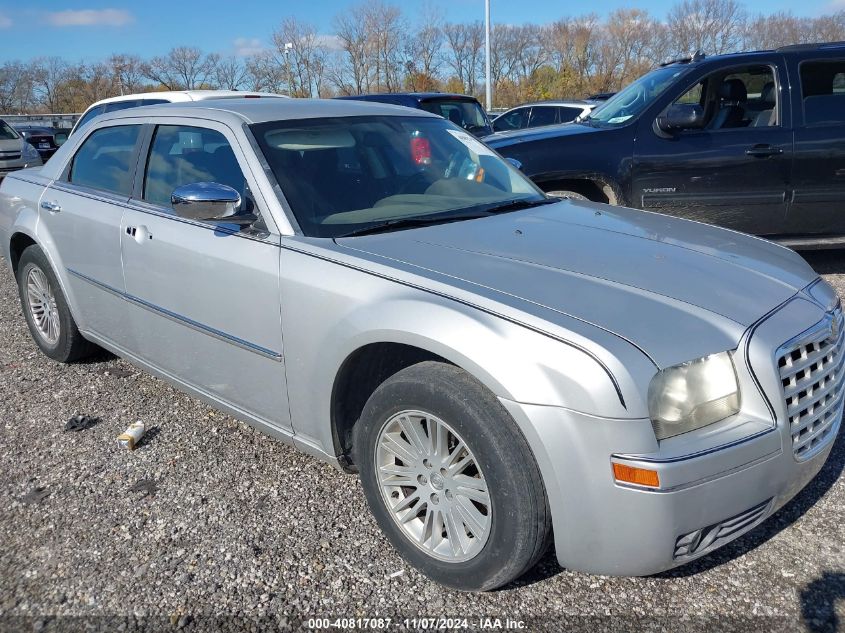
681, 116
205, 201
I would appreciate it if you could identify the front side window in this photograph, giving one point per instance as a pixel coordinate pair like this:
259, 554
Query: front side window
104, 161
738, 98
513, 120
345, 175
183, 155
823, 92
6, 132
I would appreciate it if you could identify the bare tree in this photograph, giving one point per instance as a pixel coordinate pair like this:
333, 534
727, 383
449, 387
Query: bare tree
424, 50
49, 75
711, 26
128, 73
16, 88
302, 56
462, 52
183, 68
231, 73
351, 73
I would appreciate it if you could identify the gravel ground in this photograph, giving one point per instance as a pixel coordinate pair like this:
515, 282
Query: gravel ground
239, 531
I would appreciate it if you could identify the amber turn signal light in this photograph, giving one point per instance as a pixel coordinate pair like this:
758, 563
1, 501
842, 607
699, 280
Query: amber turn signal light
638, 476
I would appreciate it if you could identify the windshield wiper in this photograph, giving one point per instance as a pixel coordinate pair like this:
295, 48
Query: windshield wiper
408, 223
521, 203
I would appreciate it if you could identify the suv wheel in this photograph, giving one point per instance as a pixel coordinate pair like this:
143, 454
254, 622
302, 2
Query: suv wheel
46, 311
450, 479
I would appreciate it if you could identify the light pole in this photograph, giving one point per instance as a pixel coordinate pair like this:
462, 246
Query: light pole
288, 49
487, 71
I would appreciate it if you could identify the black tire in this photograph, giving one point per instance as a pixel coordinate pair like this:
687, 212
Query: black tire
572, 195
70, 345
520, 521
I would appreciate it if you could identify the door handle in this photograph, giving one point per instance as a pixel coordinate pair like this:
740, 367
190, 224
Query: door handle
762, 151
52, 207
140, 233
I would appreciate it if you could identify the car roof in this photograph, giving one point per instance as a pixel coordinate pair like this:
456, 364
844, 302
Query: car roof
418, 96
250, 111
578, 103
174, 96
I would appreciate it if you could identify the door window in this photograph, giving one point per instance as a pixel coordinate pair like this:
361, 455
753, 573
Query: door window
104, 161
182, 155
542, 115
513, 120
567, 114
823, 92
739, 98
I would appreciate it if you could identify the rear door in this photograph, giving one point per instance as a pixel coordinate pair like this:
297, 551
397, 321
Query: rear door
818, 183
735, 171
81, 212
204, 297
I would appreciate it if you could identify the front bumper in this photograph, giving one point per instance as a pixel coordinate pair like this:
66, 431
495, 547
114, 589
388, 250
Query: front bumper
715, 484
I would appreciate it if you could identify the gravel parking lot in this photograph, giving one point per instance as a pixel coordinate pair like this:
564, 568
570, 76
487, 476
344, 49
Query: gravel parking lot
233, 528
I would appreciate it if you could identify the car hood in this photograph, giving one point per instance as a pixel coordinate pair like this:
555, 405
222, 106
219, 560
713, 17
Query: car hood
678, 290
511, 137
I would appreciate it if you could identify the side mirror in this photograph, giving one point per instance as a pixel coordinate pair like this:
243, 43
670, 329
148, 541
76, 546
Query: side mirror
681, 116
205, 201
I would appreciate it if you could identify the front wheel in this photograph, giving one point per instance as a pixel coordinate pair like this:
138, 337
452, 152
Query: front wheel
450, 478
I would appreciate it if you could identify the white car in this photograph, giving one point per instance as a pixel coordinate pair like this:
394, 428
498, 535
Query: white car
123, 102
542, 113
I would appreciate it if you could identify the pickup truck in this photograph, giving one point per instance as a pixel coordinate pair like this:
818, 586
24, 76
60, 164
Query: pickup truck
751, 141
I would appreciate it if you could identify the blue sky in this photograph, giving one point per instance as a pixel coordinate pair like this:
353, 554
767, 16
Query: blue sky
92, 30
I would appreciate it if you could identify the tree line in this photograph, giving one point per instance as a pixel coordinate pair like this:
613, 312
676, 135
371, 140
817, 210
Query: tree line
378, 47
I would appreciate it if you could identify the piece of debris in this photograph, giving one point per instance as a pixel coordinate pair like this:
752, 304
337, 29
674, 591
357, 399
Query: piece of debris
396, 574
130, 438
147, 486
81, 423
36, 495
116, 372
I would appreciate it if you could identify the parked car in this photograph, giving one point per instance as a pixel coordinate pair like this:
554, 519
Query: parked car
124, 102
601, 96
45, 140
751, 141
541, 114
378, 288
462, 110
15, 152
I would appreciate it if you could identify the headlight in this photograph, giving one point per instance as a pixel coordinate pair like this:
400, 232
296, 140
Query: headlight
29, 152
694, 394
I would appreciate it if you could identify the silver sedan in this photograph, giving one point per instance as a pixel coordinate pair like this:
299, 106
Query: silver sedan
377, 287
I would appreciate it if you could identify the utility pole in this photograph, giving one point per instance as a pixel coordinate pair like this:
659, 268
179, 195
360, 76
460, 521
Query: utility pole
488, 75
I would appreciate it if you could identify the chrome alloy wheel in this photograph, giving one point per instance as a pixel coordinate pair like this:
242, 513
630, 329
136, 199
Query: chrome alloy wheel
433, 486
42, 306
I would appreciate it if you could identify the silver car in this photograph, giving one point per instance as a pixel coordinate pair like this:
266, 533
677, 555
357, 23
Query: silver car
378, 288
15, 152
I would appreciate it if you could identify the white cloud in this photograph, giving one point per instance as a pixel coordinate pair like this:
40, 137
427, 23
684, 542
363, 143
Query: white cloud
247, 46
90, 17
5, 21
332, 42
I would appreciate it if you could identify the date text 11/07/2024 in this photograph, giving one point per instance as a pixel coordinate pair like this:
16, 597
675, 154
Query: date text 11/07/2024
419, 623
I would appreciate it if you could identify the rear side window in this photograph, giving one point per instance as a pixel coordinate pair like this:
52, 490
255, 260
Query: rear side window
183, 155
823, 92
542, 115
569, 114
105, 160
513, 120
116, 106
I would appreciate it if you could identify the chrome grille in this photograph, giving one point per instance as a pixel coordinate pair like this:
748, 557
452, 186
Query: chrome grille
811, 373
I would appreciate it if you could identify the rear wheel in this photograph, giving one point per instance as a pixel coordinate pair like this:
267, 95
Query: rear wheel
450, 479
46, 310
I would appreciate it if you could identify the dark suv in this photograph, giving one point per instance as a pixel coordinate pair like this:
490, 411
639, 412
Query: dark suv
462, 110
751, 141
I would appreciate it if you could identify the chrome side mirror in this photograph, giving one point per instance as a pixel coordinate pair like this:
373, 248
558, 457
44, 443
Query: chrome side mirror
205, 201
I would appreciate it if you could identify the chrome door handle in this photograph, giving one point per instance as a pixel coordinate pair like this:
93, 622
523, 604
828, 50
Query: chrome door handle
762, 151
52, 207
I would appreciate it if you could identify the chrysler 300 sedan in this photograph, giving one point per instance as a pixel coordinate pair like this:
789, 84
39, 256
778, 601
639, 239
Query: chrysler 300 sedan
377, 287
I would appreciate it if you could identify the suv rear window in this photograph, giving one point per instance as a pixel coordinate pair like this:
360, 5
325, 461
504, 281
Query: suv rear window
467, 114
823, 92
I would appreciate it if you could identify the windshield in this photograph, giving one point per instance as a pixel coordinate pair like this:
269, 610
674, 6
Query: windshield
466, 114
6, 132
630, 101
342, 175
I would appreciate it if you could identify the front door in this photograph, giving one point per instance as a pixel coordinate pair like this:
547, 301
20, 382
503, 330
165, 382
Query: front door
204, 298
82, 213
734, 171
